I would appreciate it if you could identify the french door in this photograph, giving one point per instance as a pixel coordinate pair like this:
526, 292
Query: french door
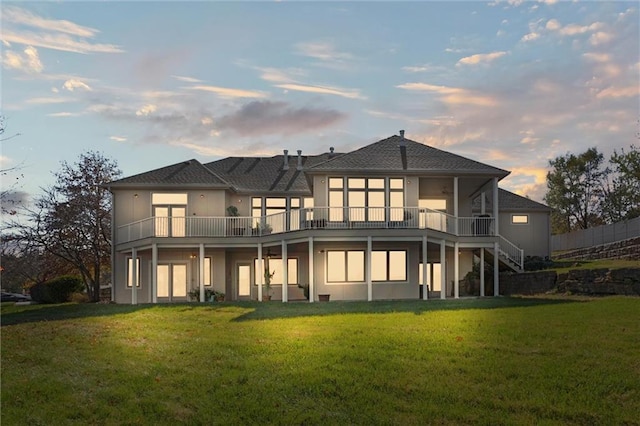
172, 281
169, 221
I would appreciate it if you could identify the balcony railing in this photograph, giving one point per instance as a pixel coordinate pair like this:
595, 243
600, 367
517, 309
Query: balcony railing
307, 218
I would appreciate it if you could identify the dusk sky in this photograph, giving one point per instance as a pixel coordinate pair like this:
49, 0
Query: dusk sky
512, 84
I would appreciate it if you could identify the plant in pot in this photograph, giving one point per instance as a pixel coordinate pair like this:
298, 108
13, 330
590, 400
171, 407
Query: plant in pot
264, 228
234, 228
268, 276
194, 294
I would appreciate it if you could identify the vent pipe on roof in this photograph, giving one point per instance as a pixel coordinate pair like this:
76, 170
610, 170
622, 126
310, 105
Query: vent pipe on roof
299, 159
331, 151
402, 134
402, 141
285, 166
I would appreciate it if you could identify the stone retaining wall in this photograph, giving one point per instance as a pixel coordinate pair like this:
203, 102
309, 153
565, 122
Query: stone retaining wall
626, 249
594, 282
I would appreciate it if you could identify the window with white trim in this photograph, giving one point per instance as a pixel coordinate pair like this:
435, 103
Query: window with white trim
130, 272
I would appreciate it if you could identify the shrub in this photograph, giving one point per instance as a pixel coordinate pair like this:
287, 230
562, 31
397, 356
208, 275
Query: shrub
536, 263
57, 290
78, 297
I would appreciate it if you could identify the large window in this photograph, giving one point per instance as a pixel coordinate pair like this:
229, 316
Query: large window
366, 199
130, 272
169, 210
345, 266
277, 210
389, 265
275, 267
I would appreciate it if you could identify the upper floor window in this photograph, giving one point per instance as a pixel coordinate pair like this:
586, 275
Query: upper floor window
366, 199
520, 219
168, 199
169, 210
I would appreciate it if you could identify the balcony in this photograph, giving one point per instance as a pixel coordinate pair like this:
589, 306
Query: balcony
305, 219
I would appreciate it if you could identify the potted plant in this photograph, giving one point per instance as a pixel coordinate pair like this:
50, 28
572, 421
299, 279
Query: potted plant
218, 296
234, 229
264, 228
194, 294
268, 276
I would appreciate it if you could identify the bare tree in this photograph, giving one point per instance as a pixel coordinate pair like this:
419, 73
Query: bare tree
72, 219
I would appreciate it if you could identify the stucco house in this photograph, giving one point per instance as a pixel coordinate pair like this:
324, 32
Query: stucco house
395, 219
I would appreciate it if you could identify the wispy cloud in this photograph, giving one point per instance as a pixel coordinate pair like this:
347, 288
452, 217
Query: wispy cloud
226, 92
47, 101
452, 95
23, 27
345, 93
64, 114
289, 79
25, 17
481, 58
186, 79
322, 51
118, 138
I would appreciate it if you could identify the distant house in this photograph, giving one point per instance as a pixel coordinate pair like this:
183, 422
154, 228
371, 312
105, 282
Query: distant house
395, 219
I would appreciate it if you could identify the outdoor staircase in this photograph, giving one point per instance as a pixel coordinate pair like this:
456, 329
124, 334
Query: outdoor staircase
510, 256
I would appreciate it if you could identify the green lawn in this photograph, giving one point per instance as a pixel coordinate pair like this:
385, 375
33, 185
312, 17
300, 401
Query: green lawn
486, 361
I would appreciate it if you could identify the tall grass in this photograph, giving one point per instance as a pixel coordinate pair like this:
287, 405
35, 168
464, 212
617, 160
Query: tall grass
488, 361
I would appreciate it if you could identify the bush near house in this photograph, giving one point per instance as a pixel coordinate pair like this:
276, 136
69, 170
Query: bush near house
57, 290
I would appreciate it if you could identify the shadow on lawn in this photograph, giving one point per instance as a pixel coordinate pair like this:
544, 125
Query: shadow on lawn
11, 314
275, 310
252, 311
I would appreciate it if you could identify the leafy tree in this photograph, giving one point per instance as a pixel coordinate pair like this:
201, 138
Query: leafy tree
72, 219
575, 190
622, 193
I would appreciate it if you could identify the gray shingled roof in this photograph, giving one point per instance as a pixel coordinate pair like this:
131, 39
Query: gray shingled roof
190, 172
509, 201
389, 155
265, 174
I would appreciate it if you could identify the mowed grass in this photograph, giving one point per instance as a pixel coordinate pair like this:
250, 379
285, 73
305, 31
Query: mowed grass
486, 361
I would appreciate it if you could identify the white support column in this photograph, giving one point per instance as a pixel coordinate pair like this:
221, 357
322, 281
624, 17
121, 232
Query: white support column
443, 271
134, 277
425, 270
482, 272
154, 273
260, 273
285, 273
456, 270
495, 206
455, 204
311, 271
201, 267
368, 270
496, 269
